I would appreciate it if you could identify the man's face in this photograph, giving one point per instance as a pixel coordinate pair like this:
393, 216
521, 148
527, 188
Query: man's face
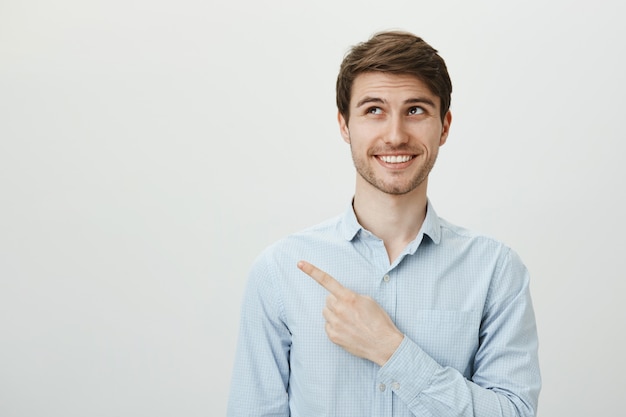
394, 131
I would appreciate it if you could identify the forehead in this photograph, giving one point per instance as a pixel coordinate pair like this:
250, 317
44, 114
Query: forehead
390, 87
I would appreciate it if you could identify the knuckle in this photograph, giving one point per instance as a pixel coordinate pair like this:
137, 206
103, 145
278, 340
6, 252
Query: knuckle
351, 297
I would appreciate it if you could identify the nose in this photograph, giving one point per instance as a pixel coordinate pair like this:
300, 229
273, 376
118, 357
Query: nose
396, 131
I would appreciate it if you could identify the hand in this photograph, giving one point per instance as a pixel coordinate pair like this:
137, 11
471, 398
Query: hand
356, 322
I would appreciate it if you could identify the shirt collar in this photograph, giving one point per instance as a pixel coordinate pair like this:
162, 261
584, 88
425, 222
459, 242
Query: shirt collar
431, 227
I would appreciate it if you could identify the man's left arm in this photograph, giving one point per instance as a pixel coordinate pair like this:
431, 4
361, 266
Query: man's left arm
506, 378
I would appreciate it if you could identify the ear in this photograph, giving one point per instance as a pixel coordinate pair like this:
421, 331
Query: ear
447, 120
343, 127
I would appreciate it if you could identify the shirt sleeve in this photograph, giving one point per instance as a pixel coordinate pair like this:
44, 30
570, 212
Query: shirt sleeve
506, 379
261, 369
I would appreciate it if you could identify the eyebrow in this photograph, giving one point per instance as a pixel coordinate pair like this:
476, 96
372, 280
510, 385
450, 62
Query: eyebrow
416, 100
367, 99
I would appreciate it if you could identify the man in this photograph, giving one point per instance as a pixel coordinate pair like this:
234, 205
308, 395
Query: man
407, 315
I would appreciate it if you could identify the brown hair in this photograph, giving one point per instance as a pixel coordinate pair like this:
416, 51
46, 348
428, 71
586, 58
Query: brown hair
397, 53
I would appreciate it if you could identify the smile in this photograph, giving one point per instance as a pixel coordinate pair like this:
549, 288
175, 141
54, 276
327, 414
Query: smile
395, 159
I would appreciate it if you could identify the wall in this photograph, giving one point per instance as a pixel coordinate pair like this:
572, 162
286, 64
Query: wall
150, 149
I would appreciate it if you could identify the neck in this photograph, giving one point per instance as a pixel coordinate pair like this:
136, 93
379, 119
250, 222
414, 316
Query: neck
396, 219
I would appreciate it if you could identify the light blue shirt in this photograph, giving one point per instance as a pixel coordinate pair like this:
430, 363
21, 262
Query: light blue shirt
461, 299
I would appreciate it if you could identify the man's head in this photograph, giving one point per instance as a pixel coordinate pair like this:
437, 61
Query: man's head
394, 53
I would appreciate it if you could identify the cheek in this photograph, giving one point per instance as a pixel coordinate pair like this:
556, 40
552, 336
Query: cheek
364, 132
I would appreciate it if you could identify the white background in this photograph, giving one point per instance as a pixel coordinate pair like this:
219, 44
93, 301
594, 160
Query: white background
150, 149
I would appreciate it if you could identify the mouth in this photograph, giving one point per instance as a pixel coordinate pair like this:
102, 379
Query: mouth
395, 159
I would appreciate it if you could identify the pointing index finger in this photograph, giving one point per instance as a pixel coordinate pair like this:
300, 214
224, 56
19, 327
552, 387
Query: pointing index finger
322, 278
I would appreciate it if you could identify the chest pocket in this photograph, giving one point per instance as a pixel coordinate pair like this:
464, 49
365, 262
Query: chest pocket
449, 337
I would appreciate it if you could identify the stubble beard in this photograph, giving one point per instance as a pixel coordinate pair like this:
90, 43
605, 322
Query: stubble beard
366, 172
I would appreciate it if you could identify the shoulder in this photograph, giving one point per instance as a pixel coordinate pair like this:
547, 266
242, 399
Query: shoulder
454, 232
320, 238
310, 238
480, 246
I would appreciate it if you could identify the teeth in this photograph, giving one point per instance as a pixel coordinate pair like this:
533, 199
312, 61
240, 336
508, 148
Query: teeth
395, 159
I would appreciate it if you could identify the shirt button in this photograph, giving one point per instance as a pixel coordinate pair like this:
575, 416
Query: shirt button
386, 278
395, 386
382, 387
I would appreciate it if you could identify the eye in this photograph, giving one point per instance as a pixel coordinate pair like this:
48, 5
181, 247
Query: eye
416, 110
374, 110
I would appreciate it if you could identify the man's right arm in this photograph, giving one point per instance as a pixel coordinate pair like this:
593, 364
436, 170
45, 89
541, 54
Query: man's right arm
261, 370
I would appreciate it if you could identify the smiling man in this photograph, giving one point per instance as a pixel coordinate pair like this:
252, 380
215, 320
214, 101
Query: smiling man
388, 310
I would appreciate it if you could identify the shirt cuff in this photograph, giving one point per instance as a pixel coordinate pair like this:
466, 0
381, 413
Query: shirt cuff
408, 372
